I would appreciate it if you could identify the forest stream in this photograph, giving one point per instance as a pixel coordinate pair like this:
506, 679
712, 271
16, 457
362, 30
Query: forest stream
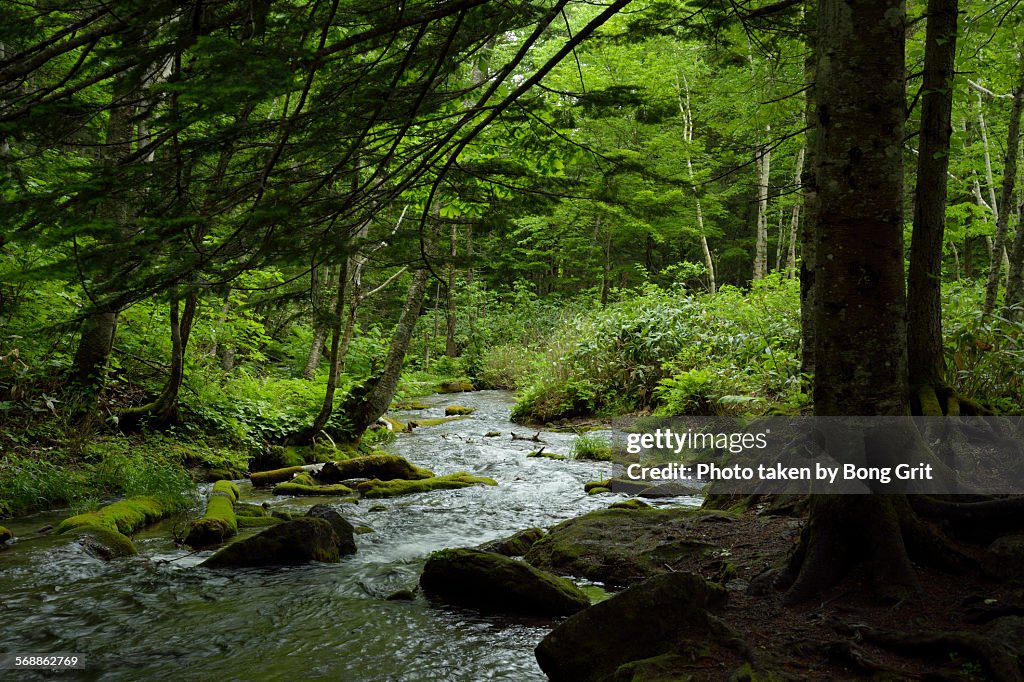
159, 616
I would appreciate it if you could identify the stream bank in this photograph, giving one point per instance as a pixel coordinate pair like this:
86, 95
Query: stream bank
158, 616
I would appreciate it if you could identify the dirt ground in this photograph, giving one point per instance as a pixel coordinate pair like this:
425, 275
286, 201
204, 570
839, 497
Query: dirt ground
965, 627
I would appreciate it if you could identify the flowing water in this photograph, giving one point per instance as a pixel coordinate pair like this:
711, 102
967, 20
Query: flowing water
158, 616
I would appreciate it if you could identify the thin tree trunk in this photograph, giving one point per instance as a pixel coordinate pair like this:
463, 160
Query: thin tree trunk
327, 407
764, 161
1006, 195
990, 183
366, 404
927, 365
684, 109
164, 410
449, 310
808, 235
794, 223
319, 287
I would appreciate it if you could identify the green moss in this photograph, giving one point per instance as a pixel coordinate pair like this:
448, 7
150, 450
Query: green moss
227, 489
459, 386
5, 535
632, 503
492, 434
250, 510
257, 521
300, 488
262, 478
376, 488
396, 425
545, 453
434, 421
381, 465
457, 410
598, 490
125, 517
224, 474
412, 405
219, 522
103, 543
590, 485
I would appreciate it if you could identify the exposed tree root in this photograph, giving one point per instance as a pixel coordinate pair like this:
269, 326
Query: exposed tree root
1000, 663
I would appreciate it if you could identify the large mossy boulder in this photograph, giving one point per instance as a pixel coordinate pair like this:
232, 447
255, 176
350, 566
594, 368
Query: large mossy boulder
289, 542
381, 466
665, 615
494, 583
376, 488
219, 522
103, 543
5, 536
623, 546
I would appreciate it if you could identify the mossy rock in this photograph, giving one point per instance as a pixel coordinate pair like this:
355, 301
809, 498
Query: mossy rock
545, 454
623, 546
304, 484
250, 510
494, 583
514, 545
124, 517
590, 485
299, 541
224, 474
492, 434
219, 522
396, 426
5, 535
433, 421
226, 489
460, 386
598, 490
458, 410
376, 488
382, 466
103, 543
632, 503
412, 404
265, 478
664, 615
257, 521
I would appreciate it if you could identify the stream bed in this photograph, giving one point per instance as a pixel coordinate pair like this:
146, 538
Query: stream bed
158, 616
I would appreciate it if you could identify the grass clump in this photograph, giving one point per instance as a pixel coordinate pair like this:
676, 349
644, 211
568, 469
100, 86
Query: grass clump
589, 446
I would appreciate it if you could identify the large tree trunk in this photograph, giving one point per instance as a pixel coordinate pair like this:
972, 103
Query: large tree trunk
368, 403
924, 287
1005, 196
809, 192
859, 312
321, 283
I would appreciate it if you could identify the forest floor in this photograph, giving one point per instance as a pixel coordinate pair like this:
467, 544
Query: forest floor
948, 633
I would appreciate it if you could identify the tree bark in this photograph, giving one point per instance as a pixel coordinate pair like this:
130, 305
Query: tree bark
794, 222
1013, 302
1006, 195
808, 235
859, 312
684, 109
449, 309
764, 161
318, 287
927, 365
